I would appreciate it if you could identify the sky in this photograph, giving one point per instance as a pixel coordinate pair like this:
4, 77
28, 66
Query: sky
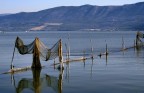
15, 6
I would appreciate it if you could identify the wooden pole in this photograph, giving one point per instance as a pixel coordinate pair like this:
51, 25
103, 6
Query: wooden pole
106, 50
36, 55
123, 45
54, 63
68, 46
67, 59
60, 51
60, 55
11, 66
91, 49
84, 58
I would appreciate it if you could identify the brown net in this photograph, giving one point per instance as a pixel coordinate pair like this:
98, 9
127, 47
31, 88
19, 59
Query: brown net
139, 36
45, 52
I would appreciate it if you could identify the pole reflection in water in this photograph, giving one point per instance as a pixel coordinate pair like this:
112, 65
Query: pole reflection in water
37, 83
139, 50
92, 67
67, 71
106, 60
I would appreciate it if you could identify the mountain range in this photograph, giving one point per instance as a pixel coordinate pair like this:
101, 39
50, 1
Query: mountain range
85, 17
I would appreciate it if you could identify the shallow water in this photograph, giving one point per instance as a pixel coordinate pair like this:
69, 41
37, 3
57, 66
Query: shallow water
120, 72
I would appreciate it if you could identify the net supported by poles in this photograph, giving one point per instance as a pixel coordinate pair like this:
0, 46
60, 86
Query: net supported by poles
139, 36
38, 49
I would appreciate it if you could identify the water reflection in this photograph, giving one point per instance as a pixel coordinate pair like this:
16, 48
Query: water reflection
139, 50
37, 83
67, 77
91, 67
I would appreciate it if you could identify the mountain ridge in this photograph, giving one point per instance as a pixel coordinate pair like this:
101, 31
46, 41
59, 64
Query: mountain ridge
125, 17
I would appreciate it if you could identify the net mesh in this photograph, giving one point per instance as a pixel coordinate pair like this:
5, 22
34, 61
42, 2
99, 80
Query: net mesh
24, 49
139, 36
45, 52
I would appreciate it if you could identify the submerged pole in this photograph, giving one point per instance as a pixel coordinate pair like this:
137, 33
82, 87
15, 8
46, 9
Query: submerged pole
36, 55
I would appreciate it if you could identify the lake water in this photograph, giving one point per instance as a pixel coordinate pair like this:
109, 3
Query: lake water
119, 72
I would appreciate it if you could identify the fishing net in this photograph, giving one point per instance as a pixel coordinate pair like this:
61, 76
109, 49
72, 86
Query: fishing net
139, 36
24, 49
44, 52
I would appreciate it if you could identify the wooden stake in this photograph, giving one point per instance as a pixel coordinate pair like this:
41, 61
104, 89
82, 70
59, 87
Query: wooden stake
106, 50
11, 66
68, 47
60, 56
123, 46
36, 55
91, 49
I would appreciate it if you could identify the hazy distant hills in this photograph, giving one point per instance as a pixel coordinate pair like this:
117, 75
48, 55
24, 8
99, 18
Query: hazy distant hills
4, 14
86, 17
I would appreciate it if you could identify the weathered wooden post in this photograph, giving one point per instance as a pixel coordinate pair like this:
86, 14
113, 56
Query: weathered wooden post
106, 50
106, 54
61, 67
36, 55
137, 37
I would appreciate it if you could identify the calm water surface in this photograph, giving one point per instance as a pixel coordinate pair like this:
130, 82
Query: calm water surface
120, 72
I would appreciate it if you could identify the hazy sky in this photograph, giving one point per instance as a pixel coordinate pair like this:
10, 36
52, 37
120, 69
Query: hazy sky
14, 6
